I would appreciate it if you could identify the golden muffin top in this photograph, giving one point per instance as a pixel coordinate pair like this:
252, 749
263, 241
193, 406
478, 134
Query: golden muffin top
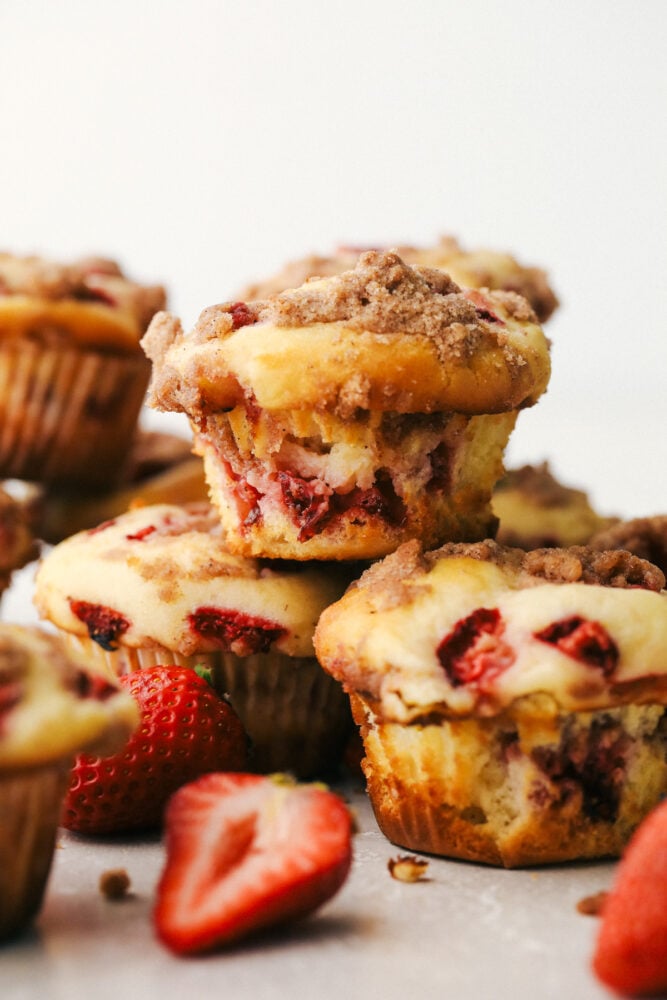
89, 302
535, 510
470, 629
52, 705
162, 575
471, 268
383, 336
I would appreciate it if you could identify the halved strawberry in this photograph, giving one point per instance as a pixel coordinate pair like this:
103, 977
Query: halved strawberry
631, 951
246, 852
186, 730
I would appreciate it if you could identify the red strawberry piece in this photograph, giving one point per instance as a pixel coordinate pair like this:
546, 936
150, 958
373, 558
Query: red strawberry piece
246, 852
631, 951
104, 624
583, 640
482, 306
474, 650
235, 631
186, 730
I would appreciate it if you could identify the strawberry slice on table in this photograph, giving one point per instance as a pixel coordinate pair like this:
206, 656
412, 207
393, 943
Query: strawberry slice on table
246, 852
186, 730
631, 951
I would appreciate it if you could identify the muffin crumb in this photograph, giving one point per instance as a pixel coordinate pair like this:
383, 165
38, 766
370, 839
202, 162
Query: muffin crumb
115, 883
593, 906
407, 868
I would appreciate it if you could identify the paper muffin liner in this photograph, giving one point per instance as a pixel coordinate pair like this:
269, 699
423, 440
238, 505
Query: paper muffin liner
67, 416
30, 805
503, 791
296, 716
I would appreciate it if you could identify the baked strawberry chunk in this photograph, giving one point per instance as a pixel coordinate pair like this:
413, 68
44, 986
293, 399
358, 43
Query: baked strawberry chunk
242, 315
104, 624
313, 505
246, 852
583, 640
235, 631
474, 652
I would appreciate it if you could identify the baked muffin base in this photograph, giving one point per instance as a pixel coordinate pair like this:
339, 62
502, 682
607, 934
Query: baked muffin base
296, 716
310, 485
67, 415
523, 788
30, 805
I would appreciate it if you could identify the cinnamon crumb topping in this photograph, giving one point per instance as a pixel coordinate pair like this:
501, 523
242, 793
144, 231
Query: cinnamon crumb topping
645, 537
577, 564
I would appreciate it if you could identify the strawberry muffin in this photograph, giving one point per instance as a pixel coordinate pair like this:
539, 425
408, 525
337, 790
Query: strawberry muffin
72, 374
512, 705
646, 537
51, 707
342, 418
471, 268
535, 510
158, 585
160, 469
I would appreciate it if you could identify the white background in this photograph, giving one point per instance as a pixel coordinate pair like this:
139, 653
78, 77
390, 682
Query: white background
204, 143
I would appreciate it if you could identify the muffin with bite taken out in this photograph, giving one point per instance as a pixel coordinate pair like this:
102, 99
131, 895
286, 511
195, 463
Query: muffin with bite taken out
342, 418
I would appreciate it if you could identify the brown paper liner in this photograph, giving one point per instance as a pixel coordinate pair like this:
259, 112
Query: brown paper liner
449, 788
296, 716
30, 804
67, 416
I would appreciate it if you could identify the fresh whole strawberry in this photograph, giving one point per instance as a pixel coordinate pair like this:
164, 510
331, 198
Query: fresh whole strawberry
631, 951
245, 852
186, 730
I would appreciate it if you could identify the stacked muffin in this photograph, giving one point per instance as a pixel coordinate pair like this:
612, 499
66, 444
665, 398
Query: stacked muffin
335, 421
342, 418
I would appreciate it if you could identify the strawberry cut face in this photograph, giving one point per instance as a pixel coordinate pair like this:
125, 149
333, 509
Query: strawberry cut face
235, 631
245, 852
474, 651
584, 640
104, 624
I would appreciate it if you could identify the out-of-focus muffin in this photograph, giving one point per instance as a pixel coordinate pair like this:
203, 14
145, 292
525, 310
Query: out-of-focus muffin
18, 544
646, 537
535, 510
512, 705
470, 268
159, 585
160, 469
342, 418
51, 707
72, 374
